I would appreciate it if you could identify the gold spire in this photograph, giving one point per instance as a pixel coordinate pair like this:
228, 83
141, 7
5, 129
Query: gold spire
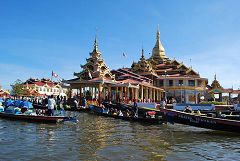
158, 52
215, 83
142, 56
95, 46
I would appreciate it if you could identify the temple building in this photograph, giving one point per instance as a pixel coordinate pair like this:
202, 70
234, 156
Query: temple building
179, 81
151, 79
97, 82
216, 91
44, 87
4, 93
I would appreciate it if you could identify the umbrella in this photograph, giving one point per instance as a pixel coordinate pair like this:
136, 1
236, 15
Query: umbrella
9, 103
17, 103
26, 104
1, 100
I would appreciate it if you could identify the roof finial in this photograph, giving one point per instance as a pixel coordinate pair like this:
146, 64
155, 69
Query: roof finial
142, 53
95, 46
158, 33
215, 76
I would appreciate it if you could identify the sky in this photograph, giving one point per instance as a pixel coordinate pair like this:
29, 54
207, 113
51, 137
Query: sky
38, 37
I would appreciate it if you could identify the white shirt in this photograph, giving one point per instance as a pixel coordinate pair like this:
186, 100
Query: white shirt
51, 103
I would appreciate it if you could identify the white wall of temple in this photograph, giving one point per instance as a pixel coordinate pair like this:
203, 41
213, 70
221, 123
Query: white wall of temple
185, 96
51, 90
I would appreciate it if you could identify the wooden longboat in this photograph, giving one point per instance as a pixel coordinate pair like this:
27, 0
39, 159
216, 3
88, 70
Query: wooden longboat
37, 118
98, 111
202, 121
79, 109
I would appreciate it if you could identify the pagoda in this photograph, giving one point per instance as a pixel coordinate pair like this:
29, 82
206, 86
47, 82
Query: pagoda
95, 66
179, 81
142, 65
97, 82
158, 52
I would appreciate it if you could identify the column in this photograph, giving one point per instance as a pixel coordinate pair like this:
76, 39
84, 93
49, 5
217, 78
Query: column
100, 94
117, 94
146, 94
80, 100
127, 94
136, 94
154, 95
150, 93
141, 93
132, 94
196, 96
121, 94
109, 94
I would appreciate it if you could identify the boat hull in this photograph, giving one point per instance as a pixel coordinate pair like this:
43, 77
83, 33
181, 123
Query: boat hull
97, 110
213, 123
34, 118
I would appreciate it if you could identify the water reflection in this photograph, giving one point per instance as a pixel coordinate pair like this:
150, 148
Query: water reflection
100, 138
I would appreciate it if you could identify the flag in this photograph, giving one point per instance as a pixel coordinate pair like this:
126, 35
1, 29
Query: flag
124, 55
90, 75
54, 74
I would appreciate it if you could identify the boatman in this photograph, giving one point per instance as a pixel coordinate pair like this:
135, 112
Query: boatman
51, 105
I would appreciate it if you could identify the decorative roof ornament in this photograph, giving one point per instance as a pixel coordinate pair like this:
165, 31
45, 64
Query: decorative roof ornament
95, 46
95, 66
215, 83
142, 65
158, 53
142, 56
158, 50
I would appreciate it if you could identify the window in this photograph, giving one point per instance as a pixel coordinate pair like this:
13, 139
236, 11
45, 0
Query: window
160, 83
180, 82
191, 82
199, 83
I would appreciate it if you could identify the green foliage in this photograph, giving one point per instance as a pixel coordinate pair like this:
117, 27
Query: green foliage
213, 102
17, 88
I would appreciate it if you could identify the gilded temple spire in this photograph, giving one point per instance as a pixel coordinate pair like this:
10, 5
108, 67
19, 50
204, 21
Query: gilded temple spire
158, 52
142, 55
158, 49
95, 46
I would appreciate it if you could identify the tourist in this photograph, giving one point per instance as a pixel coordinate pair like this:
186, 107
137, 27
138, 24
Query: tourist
163, 104
84, 102
75, 103
120, 113
51, 105
188, 109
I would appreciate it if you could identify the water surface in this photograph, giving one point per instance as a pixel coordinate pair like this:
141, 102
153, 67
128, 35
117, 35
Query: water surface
101, 138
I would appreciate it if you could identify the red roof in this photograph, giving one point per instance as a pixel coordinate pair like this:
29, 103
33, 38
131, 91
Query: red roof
39, 83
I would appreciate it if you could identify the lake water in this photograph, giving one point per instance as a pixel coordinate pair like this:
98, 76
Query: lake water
101, 138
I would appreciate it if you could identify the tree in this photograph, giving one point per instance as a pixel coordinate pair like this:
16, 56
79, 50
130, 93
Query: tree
17, 88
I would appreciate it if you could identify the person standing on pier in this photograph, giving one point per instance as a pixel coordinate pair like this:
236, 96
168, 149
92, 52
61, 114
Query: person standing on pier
51, 105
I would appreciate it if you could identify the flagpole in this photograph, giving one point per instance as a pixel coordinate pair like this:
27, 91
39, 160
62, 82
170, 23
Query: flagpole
51, 76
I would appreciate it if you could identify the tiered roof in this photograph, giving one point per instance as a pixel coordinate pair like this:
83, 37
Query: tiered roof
142, 66
95, 68
175, 69
215, 84
126, 76
4, 93
40, 82
160, 65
